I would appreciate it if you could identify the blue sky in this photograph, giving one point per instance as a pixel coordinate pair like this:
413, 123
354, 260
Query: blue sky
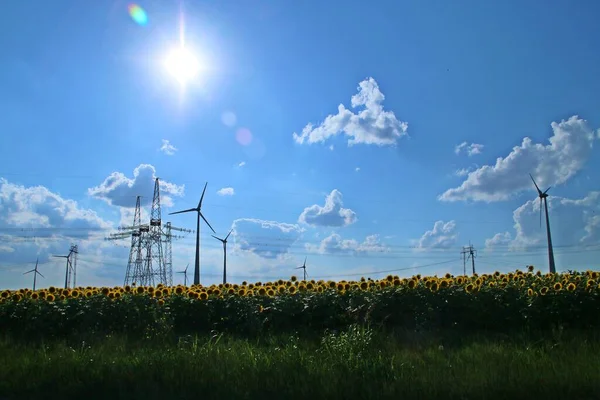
383, 136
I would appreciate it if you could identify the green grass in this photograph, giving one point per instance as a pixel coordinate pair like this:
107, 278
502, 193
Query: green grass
356, 364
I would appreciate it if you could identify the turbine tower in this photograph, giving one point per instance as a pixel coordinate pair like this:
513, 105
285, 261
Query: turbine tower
543, 199
71, 266
35, 273
184, 272
198, 210
304, 268
224, 241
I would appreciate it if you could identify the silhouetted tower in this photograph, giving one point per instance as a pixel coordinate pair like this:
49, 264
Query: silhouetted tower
137, 231
71, 266
35, 274
468, 252
224, 241
544, 201
168, 251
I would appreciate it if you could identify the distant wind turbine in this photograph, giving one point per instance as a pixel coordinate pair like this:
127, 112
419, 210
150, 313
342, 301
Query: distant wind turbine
35, 273
304, 268
197, 209
543, 199
224, 241
184, 272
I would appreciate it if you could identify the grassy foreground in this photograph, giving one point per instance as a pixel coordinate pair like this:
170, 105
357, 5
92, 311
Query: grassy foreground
355, 364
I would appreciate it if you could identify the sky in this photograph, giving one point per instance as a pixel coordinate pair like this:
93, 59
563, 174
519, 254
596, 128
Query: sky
369, 138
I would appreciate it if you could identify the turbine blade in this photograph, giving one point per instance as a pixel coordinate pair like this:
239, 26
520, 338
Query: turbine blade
547, 189
217, 238
536, 186
40, 274
304, 265
184, 211
28, 272
211, 228
228, 234
202, 197
186, 267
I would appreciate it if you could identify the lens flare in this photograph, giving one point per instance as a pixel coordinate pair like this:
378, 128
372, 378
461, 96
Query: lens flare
243, 136
138, 14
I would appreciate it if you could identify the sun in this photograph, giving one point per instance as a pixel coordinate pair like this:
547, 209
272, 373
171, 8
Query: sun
182, 64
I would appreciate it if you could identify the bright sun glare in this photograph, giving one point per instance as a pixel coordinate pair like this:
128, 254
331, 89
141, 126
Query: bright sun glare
182, 64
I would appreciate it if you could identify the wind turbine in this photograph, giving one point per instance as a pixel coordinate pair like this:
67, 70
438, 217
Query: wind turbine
543, 199
224, 241
197, 209
67, 270
304, 268
35, 273
184, 272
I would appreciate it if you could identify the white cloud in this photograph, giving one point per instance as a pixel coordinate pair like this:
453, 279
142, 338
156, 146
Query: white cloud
572, 222
38, 223
552, 164
267, 239
332, 214
48, 213
462, 172
167, 148
498, 240
331, 147
226, 191
334, 243
357, 169
119, 190
471, 149
371, 125
442, 236
240, 165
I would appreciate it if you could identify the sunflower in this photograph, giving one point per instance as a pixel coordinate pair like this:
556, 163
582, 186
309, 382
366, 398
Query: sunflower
571, 287
434, 286
530, 292
293, 278
75, 293
35, 296
544, 290
364, 285
203, 296
231, 291
262, 291
557, 286
50, 297
105, 291
412, 284
469, 288
52, 289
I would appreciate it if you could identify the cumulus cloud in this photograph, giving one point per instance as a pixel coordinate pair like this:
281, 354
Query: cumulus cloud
36, 223
119, 190
470, 149
371, 125
167, 148
226, 191
552, 164
357, 169
331, 214
268, 239
442, 236
240, 165
572, 222
334, 244
37, 211
498, 240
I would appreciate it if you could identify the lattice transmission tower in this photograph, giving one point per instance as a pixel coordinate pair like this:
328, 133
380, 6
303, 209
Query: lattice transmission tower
150, 254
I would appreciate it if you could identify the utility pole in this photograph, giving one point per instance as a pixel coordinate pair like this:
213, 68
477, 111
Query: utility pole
468, 252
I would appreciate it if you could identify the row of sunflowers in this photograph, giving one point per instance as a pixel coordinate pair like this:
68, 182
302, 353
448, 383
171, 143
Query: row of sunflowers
499, 302
532, 283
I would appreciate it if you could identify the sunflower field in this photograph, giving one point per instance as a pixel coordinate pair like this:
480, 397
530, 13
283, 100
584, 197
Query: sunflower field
499, 303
